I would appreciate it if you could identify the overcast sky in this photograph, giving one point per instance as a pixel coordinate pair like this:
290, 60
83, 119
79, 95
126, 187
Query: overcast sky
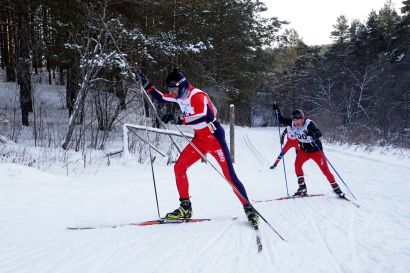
313, 19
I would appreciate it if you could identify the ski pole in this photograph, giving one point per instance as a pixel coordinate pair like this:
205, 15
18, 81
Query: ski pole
283, 154
152, 165
314, 142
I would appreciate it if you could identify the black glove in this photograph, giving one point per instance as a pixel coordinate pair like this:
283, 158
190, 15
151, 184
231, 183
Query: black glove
275, 107
310, 133
166, 117
180, 120
142, 79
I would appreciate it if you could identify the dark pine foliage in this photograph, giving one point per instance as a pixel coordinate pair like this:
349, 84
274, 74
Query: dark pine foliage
356, 87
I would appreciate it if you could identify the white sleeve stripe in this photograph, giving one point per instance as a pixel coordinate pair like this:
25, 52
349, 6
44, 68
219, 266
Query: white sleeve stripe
169, 99
165, 98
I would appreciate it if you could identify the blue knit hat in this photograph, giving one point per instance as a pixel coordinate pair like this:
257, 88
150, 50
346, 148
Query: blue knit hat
177, 79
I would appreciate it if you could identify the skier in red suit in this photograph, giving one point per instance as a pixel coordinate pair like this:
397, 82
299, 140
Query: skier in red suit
310, 148
200, 113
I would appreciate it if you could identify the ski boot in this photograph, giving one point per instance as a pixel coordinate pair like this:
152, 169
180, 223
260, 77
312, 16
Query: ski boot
252, 216
339, 192
183, 212
273, 166
302, 190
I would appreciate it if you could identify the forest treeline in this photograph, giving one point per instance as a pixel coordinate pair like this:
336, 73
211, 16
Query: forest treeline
357, 88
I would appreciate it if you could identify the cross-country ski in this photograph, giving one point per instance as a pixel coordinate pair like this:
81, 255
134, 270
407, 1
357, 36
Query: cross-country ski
144, 223
290, 197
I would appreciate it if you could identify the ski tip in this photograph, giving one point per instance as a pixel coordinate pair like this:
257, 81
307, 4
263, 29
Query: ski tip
300, 196
79, 228
351, 201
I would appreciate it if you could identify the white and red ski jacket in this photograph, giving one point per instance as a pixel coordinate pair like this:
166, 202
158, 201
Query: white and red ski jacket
197, 107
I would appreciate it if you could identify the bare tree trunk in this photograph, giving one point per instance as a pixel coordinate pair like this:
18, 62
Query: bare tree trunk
72, 85
61, 75
232, 132
77, 109
2, 42
8, 57
23, 59
49, 70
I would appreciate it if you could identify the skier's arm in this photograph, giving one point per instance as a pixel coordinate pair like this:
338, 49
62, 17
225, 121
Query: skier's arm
313, 131
159, 96
282, 138
154, 92
282, 120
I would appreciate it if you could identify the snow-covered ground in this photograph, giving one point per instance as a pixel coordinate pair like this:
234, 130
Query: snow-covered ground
323, 234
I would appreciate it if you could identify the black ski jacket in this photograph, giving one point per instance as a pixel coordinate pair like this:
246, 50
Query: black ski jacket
309, 129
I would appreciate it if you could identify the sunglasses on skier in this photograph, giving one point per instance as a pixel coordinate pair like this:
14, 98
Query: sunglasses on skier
172, 86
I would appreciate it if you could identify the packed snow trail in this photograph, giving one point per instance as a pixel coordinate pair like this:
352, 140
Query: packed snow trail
324, 234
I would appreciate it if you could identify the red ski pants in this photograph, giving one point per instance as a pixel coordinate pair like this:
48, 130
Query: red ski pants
215, 145
290, 143
320, 160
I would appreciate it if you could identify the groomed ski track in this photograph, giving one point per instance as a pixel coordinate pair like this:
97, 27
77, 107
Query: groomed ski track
324, 234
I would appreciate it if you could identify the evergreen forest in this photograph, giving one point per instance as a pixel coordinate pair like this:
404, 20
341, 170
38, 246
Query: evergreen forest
357, 89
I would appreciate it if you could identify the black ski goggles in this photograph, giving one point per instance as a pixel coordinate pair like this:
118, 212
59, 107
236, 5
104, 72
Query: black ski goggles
174, 84
171, 88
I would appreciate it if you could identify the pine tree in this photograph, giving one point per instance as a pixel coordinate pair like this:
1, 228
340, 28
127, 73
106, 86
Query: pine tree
388, 19
374, 35
401, 39
340, 35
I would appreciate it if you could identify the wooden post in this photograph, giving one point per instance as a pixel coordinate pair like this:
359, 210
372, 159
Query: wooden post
232, 131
